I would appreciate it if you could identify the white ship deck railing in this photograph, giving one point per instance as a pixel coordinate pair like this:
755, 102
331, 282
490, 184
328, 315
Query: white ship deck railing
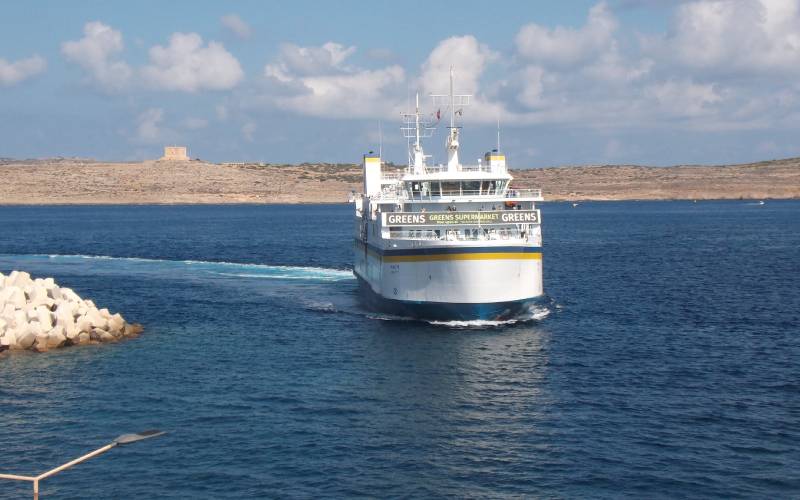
510, 194
480, 168
440, 169
391, 176
464, 234
524, 193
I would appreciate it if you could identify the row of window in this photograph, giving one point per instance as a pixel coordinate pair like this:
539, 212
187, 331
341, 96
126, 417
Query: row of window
460, 234
455, 188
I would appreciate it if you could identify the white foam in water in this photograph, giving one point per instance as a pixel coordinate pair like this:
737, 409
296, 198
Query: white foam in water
389, 317
302, 274
474, 323
264, 271
534, 314
259, 271
322, 307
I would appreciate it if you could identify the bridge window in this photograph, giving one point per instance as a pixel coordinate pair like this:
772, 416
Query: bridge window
451, 188
471, 187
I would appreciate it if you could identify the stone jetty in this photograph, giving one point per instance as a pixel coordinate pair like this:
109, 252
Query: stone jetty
38, 315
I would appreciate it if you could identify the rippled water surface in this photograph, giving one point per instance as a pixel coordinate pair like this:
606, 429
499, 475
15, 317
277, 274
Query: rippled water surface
664, 363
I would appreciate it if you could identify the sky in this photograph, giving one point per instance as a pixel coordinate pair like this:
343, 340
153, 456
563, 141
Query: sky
652, 82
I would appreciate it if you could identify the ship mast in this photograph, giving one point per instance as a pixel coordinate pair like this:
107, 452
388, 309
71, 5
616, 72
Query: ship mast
418, 156
452, 138
452, 143
414, 127
498, 134
452, 102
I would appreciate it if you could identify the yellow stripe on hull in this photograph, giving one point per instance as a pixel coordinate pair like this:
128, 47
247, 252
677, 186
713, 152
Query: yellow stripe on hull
464, 256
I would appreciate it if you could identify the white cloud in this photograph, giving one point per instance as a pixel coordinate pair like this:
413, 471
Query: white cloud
237, 26
317, 81
12, 73
734, 37
587, 78
469, 59
613, 68
96, 52
307, 61
562, 46
531, 93
595, 75
187, 65
684, 98
148, 128
360, 94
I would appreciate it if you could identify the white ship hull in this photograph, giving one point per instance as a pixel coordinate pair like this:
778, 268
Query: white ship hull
480, 281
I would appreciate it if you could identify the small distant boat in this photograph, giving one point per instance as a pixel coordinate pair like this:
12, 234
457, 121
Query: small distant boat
574, 205
761, 202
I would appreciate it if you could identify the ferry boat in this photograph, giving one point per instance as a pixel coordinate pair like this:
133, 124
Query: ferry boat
446, 242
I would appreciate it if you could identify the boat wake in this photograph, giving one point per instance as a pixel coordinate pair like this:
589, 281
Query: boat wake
535, 313
221, 269
311, 292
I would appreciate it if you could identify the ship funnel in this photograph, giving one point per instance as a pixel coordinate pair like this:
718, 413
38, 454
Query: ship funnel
372, 174
496, 161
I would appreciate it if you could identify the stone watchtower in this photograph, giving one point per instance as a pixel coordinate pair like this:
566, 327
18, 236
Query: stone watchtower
174, 153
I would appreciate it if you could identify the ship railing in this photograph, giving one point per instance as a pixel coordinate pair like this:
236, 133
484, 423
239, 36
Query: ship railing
387, 196
391, 176
508, 194
523, 193
431, 195
465, 234
477, 168
438, 169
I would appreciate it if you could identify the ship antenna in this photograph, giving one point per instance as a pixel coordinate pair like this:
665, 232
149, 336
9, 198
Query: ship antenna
416, 120
498, 134
452, 101
415, 128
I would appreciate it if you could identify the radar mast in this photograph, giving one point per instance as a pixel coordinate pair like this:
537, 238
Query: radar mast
415, 127
454, 101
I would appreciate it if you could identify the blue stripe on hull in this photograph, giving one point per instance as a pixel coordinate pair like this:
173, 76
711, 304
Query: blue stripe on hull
443, 311
444, 250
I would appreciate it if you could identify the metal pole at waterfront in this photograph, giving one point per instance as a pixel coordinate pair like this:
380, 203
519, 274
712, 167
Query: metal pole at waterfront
120, 441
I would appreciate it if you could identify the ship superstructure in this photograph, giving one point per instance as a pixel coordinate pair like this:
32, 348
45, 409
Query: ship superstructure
447, 241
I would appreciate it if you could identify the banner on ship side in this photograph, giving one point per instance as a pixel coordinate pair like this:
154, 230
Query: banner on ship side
485, 218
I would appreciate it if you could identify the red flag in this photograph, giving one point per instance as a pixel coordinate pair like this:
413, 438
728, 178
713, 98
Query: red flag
438, 114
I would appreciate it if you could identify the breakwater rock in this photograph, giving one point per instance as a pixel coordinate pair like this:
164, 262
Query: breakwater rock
37, 314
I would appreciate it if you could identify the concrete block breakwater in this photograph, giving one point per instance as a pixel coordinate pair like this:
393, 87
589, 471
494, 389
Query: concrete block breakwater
38, 315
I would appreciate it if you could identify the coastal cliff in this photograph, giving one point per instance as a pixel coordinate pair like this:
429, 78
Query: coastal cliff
76, 181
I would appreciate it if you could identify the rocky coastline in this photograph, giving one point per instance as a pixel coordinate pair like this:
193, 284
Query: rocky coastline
38, 315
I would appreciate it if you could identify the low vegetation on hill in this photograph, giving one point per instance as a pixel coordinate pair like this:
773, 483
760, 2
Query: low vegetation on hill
85, 181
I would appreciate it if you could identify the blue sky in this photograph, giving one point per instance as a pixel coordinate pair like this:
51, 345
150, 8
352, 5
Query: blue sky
580, 82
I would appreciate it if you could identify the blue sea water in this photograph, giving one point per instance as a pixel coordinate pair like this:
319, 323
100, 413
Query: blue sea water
664, 363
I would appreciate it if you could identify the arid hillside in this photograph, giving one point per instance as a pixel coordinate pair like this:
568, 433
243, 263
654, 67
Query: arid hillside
76, 181
769, 179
